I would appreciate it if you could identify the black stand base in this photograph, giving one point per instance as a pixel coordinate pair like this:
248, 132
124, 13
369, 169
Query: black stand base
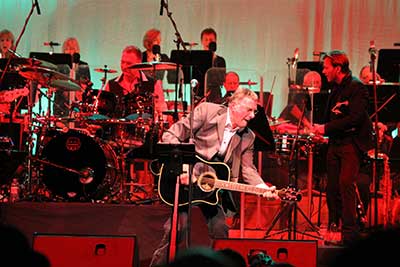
292, 208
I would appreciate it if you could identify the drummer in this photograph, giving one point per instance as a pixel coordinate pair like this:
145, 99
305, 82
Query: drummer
152, 43
137, 88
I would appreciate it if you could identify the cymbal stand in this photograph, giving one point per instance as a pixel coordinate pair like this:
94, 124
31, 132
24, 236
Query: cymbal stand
30, 140
291, 206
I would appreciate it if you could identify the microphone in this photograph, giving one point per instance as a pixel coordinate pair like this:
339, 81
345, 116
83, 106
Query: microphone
212, 46
296, 54
37, 7
372, 49
194, 83
51, 43
156, 50
76, 57
161, 7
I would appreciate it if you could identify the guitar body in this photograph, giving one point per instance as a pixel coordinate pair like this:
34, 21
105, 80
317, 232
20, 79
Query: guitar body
168, 176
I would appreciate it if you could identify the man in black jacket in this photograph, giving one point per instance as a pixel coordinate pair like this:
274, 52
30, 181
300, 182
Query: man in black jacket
349, 129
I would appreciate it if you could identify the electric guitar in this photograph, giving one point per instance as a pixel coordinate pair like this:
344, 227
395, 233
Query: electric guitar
8, 96
210, 178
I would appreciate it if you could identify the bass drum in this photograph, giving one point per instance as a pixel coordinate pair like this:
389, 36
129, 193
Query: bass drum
76, 166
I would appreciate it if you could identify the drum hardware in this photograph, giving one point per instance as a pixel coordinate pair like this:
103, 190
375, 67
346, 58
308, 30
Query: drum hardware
105, 70
86, 174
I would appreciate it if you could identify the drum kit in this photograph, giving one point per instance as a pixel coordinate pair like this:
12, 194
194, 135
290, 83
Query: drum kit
82, 156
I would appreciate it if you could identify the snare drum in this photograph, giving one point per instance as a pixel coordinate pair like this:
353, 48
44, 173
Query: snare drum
284, 142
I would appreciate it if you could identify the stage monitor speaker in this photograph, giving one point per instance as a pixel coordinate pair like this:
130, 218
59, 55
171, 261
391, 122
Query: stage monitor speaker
87, 251
298, 253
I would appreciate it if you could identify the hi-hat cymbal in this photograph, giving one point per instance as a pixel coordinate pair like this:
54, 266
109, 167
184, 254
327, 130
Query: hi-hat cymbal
105, 70
249, 82
154, 66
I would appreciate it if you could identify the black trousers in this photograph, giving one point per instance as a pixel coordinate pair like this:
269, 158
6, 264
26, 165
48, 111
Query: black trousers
343, 165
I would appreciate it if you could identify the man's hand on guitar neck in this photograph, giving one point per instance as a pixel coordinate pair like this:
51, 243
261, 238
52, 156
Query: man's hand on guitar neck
270, 192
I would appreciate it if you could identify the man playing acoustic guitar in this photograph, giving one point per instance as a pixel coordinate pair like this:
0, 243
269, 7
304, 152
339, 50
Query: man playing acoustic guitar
221, 134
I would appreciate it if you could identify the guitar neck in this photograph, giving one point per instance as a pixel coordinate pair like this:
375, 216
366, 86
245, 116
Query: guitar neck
239, 187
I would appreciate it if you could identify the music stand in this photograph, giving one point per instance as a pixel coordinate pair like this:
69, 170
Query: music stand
177, 155
389, 64
55, 58
195, 64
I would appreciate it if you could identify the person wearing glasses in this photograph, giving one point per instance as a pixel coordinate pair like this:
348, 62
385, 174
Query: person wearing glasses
349, 129
220, 134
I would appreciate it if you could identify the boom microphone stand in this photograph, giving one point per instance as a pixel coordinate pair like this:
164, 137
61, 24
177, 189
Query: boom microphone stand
179, 41
194, 84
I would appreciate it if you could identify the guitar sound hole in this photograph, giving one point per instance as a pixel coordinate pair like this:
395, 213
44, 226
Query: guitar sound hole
207, 182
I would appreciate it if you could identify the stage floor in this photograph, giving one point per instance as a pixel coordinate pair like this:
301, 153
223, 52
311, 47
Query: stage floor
91, 219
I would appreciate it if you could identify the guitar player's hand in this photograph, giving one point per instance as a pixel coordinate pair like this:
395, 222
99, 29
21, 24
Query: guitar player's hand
270, 192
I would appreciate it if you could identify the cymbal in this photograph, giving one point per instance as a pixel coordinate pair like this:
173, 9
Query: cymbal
47, 77
154, 66
105, 70
277, 122
309, 89
249, 82
65, 85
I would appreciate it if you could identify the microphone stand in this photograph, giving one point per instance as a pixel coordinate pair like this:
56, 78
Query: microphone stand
179, 41
174, 222
376, 130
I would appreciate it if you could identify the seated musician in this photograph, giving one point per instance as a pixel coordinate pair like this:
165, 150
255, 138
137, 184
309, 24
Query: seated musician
136, 87
366, 75
80, 73
151, 40
299, 106
6, 42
